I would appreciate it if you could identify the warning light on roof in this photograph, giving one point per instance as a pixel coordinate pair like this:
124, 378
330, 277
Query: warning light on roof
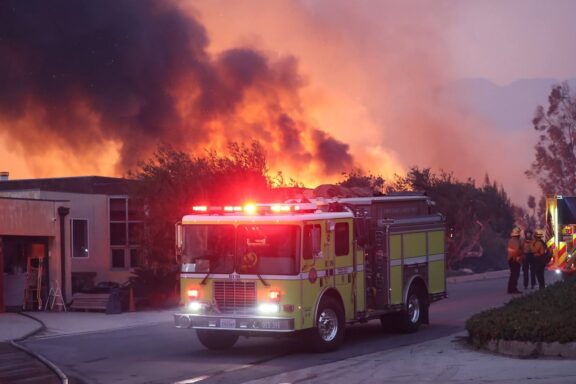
250, 208
200, 208
280, 208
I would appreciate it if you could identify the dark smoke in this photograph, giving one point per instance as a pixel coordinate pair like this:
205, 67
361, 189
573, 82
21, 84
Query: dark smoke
89, 71
334, 154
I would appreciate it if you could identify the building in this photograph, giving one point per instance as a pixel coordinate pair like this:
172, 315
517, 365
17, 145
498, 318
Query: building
76, 232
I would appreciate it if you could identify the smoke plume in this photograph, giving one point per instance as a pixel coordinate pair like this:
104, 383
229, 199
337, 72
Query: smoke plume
90, 77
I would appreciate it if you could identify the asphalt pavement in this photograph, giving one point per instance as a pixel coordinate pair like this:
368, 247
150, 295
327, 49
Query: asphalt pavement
445, 360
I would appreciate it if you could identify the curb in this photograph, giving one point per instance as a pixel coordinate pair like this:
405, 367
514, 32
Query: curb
530, 350
37, 356
478, 276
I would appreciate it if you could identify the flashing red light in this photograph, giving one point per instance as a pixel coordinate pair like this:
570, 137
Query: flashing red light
280, 208
250, 208
200, 208
274, 295
193, 293
230, 208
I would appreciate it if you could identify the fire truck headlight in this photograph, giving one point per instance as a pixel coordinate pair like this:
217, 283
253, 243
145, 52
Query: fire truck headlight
269, 308
195, 306
558, 271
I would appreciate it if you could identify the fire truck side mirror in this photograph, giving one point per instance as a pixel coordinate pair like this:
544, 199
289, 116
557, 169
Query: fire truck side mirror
179, 240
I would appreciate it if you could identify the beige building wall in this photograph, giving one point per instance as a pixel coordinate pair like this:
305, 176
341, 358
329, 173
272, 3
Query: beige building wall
95, 209
42, 217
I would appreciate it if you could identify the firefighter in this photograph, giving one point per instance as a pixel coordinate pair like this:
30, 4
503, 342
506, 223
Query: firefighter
514, 260
528, 272
540, 261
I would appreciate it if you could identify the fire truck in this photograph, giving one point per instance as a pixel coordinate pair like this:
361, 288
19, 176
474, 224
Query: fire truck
561, 233
309, 267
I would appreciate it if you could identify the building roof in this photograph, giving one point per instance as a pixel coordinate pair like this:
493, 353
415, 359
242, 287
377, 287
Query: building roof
83, 184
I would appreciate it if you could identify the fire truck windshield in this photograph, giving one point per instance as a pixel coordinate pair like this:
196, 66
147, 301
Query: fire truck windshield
262, 249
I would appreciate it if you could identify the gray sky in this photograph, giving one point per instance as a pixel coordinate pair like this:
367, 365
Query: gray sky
507, 40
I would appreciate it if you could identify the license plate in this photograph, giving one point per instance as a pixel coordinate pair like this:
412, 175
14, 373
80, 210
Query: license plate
227, 323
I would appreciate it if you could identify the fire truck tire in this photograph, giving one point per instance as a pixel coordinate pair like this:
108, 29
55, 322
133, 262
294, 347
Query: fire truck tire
216, 340
328, 332
411, 316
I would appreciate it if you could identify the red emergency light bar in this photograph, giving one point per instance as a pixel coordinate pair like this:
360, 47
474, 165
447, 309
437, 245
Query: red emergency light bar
254, 209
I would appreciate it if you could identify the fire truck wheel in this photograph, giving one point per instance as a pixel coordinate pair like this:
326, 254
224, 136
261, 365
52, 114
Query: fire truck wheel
216, 340
411, 317
328, 333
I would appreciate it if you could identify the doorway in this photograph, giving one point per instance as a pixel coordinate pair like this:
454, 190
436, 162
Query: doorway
16, 251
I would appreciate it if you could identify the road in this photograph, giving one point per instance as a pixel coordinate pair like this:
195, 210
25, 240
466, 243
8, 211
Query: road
164, 354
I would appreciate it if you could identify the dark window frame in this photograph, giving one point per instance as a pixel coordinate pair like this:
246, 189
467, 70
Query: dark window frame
73, 238
126, 243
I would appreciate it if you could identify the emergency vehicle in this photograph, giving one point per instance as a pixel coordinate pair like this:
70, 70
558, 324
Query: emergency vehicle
561, 233
309, 268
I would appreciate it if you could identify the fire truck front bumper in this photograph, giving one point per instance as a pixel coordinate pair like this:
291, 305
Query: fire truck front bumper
237, 323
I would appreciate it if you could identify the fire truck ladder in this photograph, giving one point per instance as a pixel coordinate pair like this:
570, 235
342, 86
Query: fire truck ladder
33, 287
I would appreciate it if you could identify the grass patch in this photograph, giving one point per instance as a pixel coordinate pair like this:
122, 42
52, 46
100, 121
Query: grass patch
547, 316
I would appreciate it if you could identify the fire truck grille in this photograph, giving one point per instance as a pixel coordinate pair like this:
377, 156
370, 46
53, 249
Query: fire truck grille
235, 296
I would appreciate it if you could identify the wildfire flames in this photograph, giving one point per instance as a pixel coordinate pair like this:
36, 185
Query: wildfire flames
90, 77
92, 87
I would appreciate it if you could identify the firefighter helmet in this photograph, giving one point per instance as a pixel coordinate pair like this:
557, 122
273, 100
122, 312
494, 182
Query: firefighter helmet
539, 233
515, 231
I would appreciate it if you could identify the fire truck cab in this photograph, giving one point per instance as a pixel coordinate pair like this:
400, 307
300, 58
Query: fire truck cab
309, 267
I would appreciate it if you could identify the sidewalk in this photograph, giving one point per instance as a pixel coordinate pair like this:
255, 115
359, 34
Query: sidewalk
446, 360
14, 326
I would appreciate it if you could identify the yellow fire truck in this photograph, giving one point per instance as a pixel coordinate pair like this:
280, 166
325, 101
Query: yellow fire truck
561, 233
309, 268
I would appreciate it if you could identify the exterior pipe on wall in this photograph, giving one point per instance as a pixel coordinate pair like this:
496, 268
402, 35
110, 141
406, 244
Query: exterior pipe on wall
62, 213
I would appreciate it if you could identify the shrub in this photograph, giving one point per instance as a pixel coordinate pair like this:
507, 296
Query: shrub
155, 287
543, 316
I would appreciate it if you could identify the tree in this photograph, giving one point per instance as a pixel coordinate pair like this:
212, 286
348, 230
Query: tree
171, 182
554, 166
168, 185
358, 179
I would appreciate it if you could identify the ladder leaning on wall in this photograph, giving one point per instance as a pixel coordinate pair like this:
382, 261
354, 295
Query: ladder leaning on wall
33, 287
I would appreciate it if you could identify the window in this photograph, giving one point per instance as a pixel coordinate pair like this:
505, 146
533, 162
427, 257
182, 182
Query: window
117, 233
79, 235
118, 258
311, 241
125, 232
342, 239
118, 209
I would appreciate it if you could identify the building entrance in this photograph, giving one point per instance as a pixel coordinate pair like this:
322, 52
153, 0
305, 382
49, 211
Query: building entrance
25, 272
